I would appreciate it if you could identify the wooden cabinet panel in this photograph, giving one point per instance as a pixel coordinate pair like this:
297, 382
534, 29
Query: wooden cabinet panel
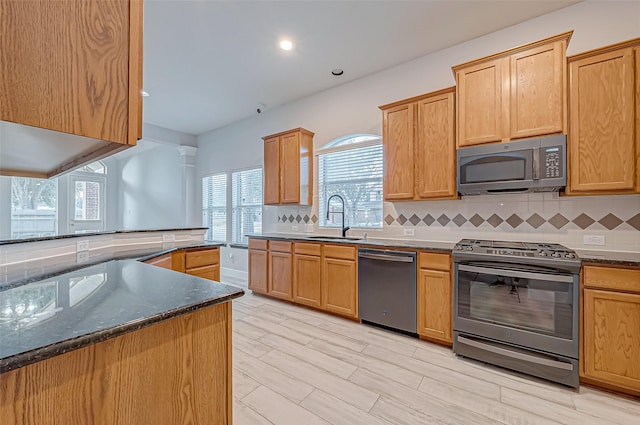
481, 103
340, 251
435, 305
92, 90
612, 278
603, 147
398, 135
258, 270
205, 257
280, 275
340, 286
306, 280
612, 338
308, 248
433, 261
288, 167
435, 148
271, 171
258, 244
537, 91
280, 246
207, 272
163, 261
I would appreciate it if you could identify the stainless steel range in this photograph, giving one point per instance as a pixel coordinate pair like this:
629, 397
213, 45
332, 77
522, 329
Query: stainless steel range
516, 306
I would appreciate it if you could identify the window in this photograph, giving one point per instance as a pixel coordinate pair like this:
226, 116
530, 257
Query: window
214, 207
34, 205
352, 168
246, 195
87, 187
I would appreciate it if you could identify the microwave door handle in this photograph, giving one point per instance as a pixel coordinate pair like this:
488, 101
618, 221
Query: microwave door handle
536, 164
513, 273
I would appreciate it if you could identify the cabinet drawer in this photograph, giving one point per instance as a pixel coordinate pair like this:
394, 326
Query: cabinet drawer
429, 260
341, 252
207, 272
204, 257
258, 244
280, 246
612, 278
308, 248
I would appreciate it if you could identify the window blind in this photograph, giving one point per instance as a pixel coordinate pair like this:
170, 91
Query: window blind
246, 195
214, 207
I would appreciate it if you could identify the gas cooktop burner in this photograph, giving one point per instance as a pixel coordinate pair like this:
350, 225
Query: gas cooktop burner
515, 249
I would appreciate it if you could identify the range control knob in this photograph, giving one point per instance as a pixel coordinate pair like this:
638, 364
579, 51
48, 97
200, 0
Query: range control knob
570, 255
555, 254
458, 247
542, 253
469, 248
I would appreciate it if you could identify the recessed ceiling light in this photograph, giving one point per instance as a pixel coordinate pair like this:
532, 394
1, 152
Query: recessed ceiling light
286, 45
337, 72
144, 93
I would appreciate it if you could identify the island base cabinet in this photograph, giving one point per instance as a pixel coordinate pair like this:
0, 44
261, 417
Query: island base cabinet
612, 338
173, 372
340, 287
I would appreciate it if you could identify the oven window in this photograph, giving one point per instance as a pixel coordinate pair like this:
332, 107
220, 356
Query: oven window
495, 168
536, 305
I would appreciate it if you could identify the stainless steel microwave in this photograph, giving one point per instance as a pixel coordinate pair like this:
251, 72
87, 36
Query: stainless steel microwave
531, 165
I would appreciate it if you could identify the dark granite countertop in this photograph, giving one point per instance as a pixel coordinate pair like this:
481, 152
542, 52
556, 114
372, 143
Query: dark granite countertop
52, 316
436, 246
620, 258
33, 271
79, 235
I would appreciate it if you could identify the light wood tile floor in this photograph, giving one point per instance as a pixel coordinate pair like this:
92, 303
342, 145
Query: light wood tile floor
296, 366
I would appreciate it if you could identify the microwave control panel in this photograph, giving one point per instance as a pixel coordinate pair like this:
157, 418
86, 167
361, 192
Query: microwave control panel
552, 160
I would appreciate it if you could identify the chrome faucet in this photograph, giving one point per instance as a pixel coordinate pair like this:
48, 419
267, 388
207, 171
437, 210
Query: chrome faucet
344, 228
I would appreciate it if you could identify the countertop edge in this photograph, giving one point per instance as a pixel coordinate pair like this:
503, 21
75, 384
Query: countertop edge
104, 232
33, 356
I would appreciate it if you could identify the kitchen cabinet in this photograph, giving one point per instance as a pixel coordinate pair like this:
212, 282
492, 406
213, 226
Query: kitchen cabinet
88, 92
340, 280
419, 147
435, 297
204, 262
611, 328
513, 94
163, 261
288, 167
279, 270
258, 265
604, 140
307, 271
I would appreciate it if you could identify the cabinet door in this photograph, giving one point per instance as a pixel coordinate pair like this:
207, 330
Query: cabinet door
206, 272
73, 67
434, 304
602, 146
482, 103
258, 271
279, 272
397, 139
537, 91
271, 171
435, 149
612, 337
339, 286
290, 168
306, 280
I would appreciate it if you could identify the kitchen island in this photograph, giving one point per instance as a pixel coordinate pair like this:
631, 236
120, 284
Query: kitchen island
119, 342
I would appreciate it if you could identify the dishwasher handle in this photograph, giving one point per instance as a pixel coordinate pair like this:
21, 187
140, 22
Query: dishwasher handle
386, 257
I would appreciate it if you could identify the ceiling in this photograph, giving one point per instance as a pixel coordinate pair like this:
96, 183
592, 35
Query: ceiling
210, 63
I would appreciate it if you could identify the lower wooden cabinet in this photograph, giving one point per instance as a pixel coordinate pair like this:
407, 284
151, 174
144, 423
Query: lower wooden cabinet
307, 271
611, 328
340, 286
435, 301
279, 283
204, 262
258, 265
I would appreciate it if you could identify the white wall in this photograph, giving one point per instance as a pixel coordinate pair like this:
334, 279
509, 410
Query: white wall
353, 107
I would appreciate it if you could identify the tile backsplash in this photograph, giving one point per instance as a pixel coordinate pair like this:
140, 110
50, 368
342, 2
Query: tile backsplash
544, 217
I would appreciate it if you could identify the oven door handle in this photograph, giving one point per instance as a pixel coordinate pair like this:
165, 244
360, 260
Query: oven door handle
515, 273
514, 355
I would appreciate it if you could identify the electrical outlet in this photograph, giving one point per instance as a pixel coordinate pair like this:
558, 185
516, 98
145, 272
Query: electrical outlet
294, 227
82, 257
308, 228
593, 240
409, 232
168, 237
82, 246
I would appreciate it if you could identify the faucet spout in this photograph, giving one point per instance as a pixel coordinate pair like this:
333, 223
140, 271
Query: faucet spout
341, 212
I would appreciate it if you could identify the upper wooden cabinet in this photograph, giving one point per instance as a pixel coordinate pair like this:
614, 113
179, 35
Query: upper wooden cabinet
288, 167
419, 147
74, 67
514, 94
604, 141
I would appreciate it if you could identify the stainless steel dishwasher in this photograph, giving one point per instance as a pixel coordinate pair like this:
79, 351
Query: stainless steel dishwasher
387, 289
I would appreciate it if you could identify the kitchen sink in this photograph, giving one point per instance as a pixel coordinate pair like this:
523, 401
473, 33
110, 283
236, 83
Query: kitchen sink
335, 238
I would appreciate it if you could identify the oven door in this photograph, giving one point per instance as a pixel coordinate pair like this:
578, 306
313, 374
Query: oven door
518, 304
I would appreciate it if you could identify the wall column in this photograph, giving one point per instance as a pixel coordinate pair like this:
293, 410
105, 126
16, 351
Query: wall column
191, 217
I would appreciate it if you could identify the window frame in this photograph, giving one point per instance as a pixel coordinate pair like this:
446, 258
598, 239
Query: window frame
226, 206
230, 239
